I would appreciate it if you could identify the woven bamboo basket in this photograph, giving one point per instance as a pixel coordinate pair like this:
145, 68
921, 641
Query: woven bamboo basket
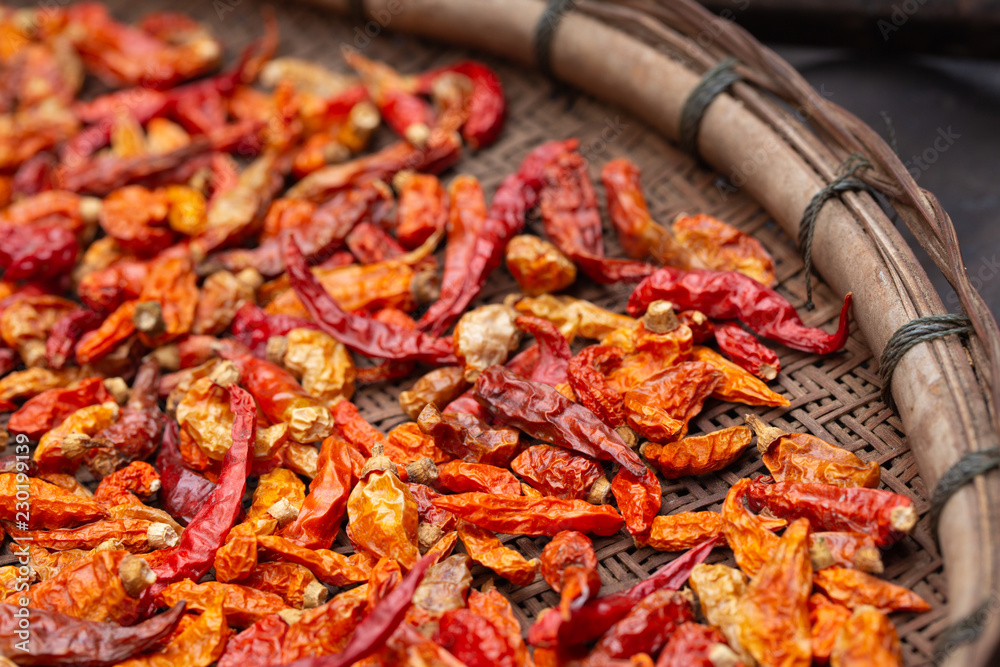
621, 71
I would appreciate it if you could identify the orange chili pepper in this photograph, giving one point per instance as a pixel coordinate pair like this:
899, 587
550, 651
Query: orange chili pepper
722, 247
661, 407
460, 476
639, 499
49, 408
323, 510
845, 549
519, 515
407, 443
737, 385
747, 534
698, 455
65, 445
328, 566
562, 474
569, 566
293, 583
682, 531
854, 589
117, 328
51, 506
134, 535
538, 266
867, 638
826, 618
242, 605
485, 548
326, 629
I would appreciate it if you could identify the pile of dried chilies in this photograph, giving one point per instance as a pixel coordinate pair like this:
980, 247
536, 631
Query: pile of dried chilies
184, 328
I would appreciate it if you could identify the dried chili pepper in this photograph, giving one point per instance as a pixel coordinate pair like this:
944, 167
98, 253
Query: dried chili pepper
520, 515
371, 244
486, 107
48, 409
723, 247
802, 457
60, 639
542, 412
596, 616
569, 566
206, 531
698, 455
737, 385
134, 535
538, 266
553, 352
682, 531
485, 548
575, 316
868, 637
661, 407
242, 605
559, 473
465, 437
382, 513
884, 515
855, 550
826, 618
639, 498
257, 646
51, 506
328, 566
65, 334
695, 645
65, 445
646, 628
440, 386
484, 337
406, 113
253, 327
481, 248
117, 328
586, 375
747, 535
358, 333
422, 208
378, 625
198, 642
743, 348
41, 251
726, 295
326, 629
281, 397
773, 611
292, 582
460, 476
854, 589
638, 233
319, 519
719, 589
221, 296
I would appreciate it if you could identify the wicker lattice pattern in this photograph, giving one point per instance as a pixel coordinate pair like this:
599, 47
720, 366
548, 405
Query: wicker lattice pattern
836, 398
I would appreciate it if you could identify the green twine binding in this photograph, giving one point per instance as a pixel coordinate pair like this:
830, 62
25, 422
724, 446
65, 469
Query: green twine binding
545, 31
713, 83
916, 331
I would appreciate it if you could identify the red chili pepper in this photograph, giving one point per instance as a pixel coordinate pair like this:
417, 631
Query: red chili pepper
487, 105
35, 174
728, 295
523, 364
319, 519
596, 616
646, 627
554, 353
252, 327
884, 515
9, 360
47, 410
102, 175
517, 194
639, 498
586, 376
405, 112
743, 348
183, 492
207, 531
371, 633
361, 334
370, 244
544, 413
66, 333
38, 251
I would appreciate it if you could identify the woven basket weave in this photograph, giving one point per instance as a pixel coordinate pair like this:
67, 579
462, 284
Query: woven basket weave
835, 397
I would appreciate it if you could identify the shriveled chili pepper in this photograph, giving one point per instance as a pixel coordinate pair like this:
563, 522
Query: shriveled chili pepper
27, 321
253, 327
868, 637
370, 244
486, 107
378, 625
853, 589
464, 436
737, 385
60, 639
134, 535
702, 329
460, 476
596, 616
639, 498
48, 409
257, 646
358, 333
242, 605
575, 316
474, 640
681, 531
422, 208
696, 645
661, 407
407, 443
102, 586
586, 375
65, 445
440, 386
826, 618
406, 113
719, 589
198, 642
553, 352
723, 247
646, 628
542, 412
485, 548
855, 550
292, 582
182, 492
884, 515
51, 506
326, 629
559, 473
319, 519
206, 532
221, 295
481, 249
743, 348
135, 434
747, 534
773, 612
520, 515
638, 233
537, 265
802, 457
117, 328
569, 566
485, 336
328, 566
652, 352
699, 455
65, 334
726, 295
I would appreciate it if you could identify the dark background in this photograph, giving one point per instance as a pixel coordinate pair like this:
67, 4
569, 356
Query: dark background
933, 68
